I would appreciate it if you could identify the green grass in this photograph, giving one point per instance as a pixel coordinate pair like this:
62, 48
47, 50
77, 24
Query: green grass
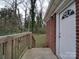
40, 40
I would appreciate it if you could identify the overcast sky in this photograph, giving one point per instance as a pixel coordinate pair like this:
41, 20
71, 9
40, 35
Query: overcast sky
3, 4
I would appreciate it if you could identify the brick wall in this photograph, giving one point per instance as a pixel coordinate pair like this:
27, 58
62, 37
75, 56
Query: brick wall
51, 33
77, 27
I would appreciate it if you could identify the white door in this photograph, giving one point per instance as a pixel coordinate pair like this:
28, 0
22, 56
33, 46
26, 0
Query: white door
68, 33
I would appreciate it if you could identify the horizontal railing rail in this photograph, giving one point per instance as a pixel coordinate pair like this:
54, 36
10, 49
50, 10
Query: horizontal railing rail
14, 46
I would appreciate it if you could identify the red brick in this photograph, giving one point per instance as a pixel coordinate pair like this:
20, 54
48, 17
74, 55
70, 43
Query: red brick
77, 29
77, 34
51, 33
77, 15
77, 23
77, 4
77, 37
77, 1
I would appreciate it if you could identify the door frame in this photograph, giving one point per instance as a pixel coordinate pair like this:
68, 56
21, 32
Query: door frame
58, 28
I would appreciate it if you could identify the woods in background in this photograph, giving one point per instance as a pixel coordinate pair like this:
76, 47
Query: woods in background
12, 21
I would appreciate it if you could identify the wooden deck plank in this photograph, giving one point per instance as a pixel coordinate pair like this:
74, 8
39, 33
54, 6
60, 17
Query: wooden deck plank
39, 53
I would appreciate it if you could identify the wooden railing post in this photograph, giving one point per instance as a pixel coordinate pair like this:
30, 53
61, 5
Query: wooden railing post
33, 42
30, 40
3, 53
13, 46
9, 49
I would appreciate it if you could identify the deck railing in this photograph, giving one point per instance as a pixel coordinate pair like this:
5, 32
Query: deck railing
14, 46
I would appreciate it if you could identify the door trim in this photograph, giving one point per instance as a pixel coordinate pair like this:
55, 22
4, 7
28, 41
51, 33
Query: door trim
58, 30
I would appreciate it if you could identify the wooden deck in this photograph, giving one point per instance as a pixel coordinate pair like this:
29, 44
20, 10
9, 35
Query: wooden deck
39, 53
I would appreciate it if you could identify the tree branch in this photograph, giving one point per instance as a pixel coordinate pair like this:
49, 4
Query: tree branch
7, 2
20, 2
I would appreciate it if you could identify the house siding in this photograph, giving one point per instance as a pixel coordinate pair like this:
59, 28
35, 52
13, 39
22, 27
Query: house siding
77, 28
51, 33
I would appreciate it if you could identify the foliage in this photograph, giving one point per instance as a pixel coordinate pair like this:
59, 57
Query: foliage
13, 4
32, 13
8, 22
40, 40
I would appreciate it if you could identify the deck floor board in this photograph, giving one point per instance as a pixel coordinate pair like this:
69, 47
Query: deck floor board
39, 53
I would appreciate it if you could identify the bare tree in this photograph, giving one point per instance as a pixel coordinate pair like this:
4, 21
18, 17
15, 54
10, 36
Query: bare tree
13, 3
32, 13
25, 7
40, 13
41, 6
16, 16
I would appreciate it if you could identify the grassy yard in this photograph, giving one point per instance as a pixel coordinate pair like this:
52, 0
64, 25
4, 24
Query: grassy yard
40, 40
